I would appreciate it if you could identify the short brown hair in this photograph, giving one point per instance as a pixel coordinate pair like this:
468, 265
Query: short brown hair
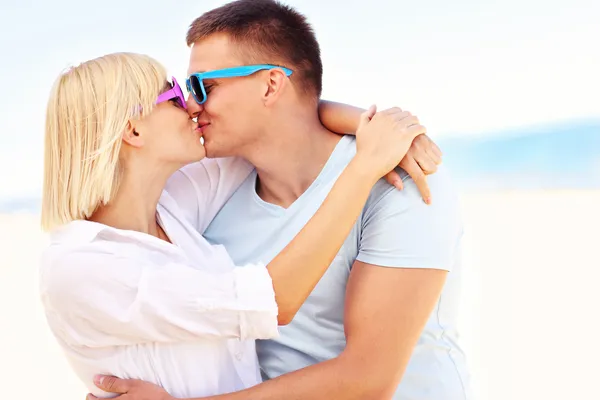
267, 32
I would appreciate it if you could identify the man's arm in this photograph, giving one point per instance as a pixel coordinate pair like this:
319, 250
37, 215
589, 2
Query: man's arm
406, 250
386, 309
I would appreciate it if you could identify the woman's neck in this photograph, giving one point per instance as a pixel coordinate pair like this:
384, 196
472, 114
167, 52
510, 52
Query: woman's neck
134, 205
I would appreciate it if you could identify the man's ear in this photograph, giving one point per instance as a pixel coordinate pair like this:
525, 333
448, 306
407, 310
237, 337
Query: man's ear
132, 136
276, 84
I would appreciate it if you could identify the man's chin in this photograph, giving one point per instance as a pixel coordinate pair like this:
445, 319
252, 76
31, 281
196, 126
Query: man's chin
212, 151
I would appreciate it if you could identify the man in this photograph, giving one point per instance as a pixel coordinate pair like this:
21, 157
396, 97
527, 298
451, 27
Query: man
381, 323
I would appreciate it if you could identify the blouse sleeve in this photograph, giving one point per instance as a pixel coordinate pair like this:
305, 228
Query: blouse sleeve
202, 189
107, 300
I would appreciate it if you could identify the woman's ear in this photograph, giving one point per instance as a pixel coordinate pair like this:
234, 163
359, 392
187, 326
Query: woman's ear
132, 136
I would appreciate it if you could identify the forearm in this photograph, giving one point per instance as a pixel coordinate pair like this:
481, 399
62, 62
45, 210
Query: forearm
338, 378
338, 117
299, 267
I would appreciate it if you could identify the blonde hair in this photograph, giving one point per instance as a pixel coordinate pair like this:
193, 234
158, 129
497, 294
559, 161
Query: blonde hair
88, 111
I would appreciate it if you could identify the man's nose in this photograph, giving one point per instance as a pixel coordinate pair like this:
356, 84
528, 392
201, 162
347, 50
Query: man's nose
194, 109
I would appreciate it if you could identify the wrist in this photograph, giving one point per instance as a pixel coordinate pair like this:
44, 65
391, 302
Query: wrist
363, 168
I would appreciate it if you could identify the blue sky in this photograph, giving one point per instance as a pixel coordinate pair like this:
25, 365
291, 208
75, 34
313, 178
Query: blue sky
464, 67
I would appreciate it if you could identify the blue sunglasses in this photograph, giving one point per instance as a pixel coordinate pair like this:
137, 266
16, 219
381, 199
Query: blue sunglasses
195, 82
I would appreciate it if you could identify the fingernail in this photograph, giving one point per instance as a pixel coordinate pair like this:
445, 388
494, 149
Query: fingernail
98, 379
428, 200
398, 184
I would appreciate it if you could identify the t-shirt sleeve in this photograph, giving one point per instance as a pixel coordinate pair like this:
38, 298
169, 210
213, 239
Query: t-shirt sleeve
400, 230
202, 189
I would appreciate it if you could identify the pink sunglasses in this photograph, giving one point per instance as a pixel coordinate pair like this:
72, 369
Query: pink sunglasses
173, 93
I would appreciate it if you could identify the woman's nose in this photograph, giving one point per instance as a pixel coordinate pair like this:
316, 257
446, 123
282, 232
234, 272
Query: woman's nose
193, 108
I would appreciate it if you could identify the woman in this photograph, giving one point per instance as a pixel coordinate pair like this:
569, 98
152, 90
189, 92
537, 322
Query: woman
129, 285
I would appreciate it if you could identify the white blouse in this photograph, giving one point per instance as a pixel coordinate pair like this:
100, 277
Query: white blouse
179, 315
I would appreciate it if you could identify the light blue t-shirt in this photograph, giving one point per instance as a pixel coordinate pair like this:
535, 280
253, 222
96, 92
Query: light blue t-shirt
395, 229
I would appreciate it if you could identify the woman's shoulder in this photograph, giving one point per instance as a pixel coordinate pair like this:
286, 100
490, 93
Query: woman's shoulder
83, 248
85, 257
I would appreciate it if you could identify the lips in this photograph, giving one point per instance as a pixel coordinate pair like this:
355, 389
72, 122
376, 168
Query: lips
200, 129
202, 125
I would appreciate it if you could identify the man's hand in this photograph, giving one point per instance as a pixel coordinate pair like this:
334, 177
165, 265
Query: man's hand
422, 159
130, 389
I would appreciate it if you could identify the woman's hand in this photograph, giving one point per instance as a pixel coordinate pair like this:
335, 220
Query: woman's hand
384, 138
422, 158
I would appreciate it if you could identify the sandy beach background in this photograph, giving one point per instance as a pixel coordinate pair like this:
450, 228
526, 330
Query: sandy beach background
529, 318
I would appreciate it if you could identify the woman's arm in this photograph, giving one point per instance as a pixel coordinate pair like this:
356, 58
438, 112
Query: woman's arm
98, 299
93, 298
381, 142
338, 117
301, 264
106, 300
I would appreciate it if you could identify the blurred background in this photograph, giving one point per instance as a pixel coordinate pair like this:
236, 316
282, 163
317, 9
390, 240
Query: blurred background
509, 90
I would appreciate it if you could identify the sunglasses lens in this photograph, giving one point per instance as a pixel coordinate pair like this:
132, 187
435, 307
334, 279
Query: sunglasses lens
197, 89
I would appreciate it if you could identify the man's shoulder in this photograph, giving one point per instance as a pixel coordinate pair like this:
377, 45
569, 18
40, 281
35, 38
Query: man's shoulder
398, 228
440, 183
443, 193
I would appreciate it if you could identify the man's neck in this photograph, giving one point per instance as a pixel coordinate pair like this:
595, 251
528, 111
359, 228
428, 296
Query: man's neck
291, 158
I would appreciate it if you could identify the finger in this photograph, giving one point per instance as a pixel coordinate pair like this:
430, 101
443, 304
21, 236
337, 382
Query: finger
416, 130
400, 116
112, 384
427, 164
91, 397
408, 120
366, 116
434, 156
436, 150
369, 113
416, 173
394, 111
393, 178
422, 147
430, 148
